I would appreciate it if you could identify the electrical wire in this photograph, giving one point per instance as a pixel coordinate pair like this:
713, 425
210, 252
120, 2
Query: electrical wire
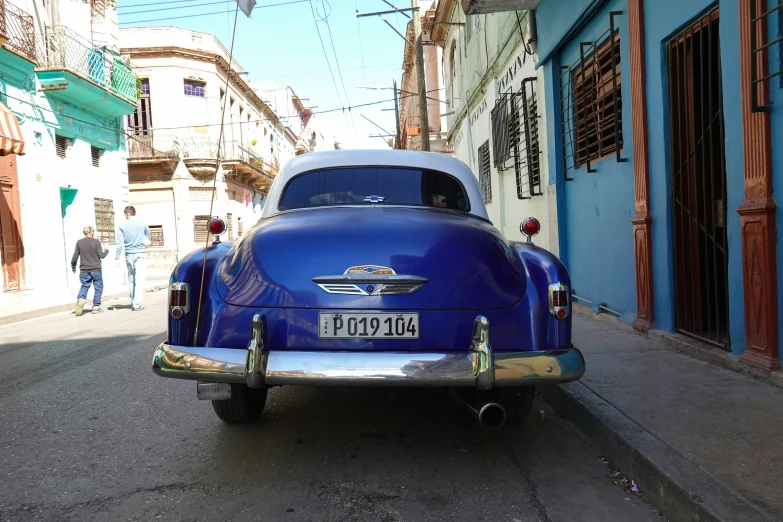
210, 14
337, 63
146, 4
214, 181
178, 7
361, 44
313, 73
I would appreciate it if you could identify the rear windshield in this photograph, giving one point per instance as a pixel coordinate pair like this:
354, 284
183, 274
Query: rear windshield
375, 185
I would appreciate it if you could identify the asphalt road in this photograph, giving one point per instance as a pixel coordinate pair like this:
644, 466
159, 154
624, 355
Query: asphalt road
88, 432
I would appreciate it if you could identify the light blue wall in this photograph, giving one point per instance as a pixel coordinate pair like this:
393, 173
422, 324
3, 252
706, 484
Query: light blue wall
663, 19
597, 232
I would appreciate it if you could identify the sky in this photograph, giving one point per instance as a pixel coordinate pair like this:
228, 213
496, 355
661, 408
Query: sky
280, 44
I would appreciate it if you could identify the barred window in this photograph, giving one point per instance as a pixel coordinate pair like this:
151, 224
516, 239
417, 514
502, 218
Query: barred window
230, 225
200, 229
591, 103
515, 138
485, 180
104, 220
156, 235
96, 154
195, 88
61, 145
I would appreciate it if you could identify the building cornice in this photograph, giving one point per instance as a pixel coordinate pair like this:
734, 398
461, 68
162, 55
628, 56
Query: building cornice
181, 52
443, 14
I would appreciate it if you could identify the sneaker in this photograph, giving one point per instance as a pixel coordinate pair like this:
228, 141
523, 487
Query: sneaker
79, 307
138, 309
96, 309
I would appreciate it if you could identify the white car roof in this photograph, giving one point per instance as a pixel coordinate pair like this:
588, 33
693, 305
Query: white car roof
376, 158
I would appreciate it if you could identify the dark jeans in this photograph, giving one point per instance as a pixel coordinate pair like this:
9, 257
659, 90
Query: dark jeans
94, 278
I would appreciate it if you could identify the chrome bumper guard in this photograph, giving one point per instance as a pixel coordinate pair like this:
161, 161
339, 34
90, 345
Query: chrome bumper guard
479, 367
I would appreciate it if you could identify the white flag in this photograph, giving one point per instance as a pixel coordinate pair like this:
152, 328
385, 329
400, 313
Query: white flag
246, 6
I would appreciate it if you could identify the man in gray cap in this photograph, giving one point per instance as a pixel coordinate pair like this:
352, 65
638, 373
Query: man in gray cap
91, 251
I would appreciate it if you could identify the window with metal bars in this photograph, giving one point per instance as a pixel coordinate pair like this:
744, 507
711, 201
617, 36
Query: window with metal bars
61, 145
200, 229
104, 220
761, 12
156, 235
96, 154
485, 174
591, 103
515, 138
230, 226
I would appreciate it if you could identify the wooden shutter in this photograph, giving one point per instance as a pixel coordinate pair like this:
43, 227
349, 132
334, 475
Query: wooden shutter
200, 229
156, 235
96, 154
61, 145
104, 220
230, 226
485, 180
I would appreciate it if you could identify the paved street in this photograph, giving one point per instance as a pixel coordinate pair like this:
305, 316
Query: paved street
90, 433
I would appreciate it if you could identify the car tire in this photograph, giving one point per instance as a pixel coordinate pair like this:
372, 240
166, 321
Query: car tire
516, 401
245, 404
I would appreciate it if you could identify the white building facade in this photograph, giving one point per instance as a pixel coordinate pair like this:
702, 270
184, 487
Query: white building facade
495, 101
175, 138
68, 89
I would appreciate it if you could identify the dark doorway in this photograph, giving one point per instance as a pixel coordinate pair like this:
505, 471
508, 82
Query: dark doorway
698, 181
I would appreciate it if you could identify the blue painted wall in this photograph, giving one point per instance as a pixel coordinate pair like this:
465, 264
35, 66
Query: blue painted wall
596, 230
776, 119
664, 19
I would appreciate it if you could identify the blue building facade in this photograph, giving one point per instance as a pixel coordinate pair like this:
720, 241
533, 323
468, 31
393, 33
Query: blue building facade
660, 162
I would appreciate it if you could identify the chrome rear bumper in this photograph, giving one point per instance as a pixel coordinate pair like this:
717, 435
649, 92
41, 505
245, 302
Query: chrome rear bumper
479, 367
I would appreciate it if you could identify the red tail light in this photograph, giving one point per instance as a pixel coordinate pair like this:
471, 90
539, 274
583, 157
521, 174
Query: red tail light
559, 301
217, 226
530, 227
179, 299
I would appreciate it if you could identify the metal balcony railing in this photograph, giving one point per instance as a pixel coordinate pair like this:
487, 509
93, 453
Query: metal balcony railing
17, 29
62, 48
145, 147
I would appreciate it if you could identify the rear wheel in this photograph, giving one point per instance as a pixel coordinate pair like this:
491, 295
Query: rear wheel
245, 404
516, 400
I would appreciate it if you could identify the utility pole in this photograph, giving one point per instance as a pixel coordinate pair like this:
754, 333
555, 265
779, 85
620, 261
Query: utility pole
397, 144
421, 84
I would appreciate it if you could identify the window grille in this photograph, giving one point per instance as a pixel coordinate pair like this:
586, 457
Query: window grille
485, 180
195, 88
515, 138
591, 103
96, 154
200, 229
201, 193
104, 220
761, 43
230, 226
156, 235
61, 145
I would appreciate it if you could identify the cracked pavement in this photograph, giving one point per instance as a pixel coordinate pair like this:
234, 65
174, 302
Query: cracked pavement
88, 432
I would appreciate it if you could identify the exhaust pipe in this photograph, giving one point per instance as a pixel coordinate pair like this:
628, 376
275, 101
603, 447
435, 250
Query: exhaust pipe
490, 415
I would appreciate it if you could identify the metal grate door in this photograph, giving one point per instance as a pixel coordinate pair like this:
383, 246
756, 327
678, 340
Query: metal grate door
698, 181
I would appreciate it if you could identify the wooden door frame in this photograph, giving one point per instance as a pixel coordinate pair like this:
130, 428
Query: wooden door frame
11, 182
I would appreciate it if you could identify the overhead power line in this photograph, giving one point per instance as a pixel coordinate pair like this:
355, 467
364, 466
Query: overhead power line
209, 14
176, 7
146, 4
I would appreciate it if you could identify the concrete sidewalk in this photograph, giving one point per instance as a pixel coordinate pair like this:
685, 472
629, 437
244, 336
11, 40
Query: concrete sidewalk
702, 442
67, 301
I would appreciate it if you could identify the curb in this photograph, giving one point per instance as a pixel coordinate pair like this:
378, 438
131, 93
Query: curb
690, 347
32, 314
681, 489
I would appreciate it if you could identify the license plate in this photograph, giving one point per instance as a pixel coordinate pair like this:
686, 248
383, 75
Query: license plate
371, 325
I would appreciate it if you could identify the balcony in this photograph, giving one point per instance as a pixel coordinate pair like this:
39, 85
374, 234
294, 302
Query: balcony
153, 151
72, 69
17, 32
238, 161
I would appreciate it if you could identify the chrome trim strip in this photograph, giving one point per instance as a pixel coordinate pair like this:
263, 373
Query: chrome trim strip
369, 279
479, 367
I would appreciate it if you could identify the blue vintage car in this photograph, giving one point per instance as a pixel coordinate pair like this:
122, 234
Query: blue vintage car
371, 268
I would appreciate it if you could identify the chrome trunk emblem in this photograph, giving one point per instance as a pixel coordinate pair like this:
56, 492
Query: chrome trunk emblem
370, 280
